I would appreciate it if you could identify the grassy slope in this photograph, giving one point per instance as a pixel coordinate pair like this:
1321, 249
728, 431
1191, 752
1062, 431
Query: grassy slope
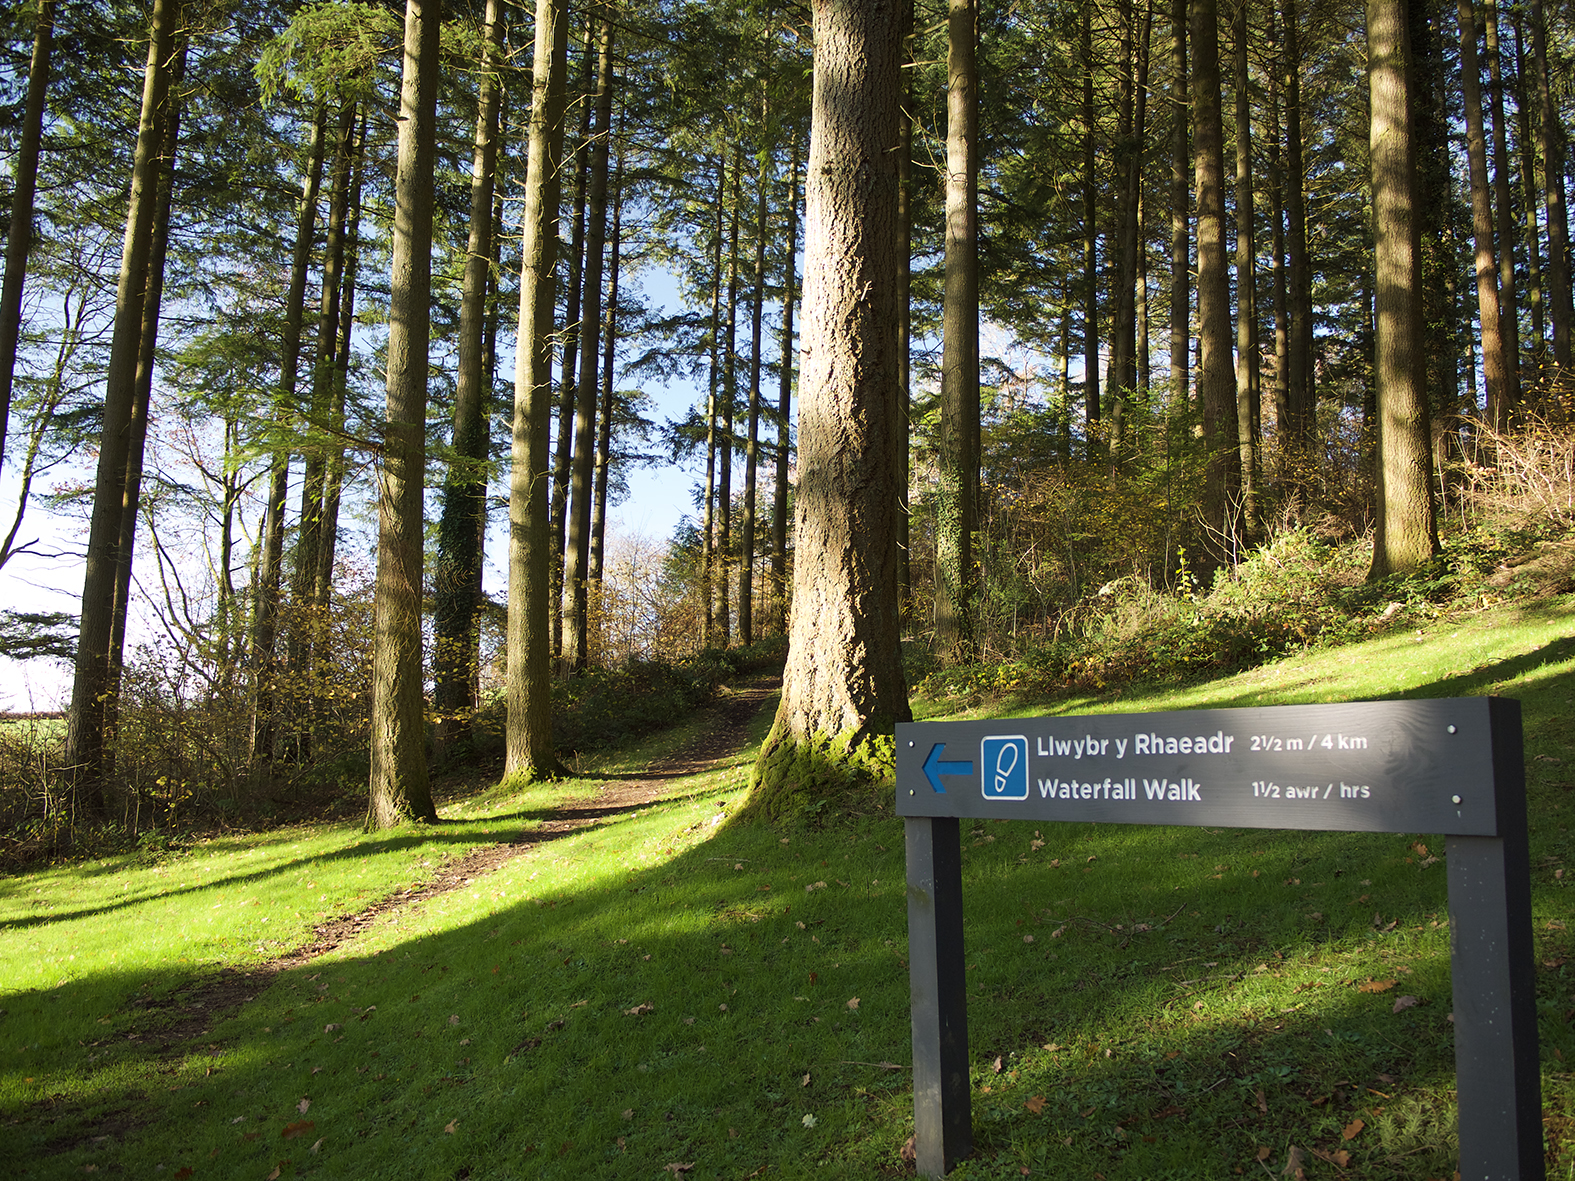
1200, 987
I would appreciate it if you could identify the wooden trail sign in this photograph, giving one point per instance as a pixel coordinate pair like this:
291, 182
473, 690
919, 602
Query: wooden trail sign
1452, 766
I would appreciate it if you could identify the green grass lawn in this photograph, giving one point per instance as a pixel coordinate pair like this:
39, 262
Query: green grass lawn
665, 989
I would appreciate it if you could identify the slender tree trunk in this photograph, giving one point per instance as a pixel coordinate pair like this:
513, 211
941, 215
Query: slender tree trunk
19, 239
146, 359
956, 495
843, 687
86, 739
1524, 105
1216, 377
1406, 534
268, 591
1493, 364
576, 637
708, 525
905, 320
779, 501
456, 581
1504, 215
400, 789
1091, 408
746, 566
1180, 204
1301, 391
529, 688
568, 397
605, 418
724, 484
1550, 146
1248, 361
333, 477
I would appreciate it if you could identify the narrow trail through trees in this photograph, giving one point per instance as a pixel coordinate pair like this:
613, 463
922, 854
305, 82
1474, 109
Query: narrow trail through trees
168, 1025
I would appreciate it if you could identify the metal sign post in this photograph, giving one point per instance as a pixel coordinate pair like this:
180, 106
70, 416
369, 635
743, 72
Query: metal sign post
1453, 766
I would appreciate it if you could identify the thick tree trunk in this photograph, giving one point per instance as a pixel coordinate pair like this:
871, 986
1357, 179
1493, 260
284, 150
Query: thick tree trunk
779, 500
267, 592
529, 739
1216, 371
400, 789
957, 486
576, 554
843, 687
19, 238
456, 582
1493, 362
1249, 387
1504, 216
1406, 534
86, 749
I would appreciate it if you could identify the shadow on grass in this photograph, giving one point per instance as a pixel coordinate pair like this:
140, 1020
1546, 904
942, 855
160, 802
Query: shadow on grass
697, 1012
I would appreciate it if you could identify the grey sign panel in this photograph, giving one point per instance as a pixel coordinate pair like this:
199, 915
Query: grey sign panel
1381, 766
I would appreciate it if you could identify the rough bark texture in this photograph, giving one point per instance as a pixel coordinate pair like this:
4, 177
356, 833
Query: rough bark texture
400, 789
1216, 371
605, 417
1301, 392
85, 729
529, 677
456, 582
904, 317
19, 238
757, 305
1091, 407
1550, 147
843, 687
957, 489
1406, 534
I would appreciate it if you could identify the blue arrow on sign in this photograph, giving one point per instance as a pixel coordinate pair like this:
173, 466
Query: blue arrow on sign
934, 767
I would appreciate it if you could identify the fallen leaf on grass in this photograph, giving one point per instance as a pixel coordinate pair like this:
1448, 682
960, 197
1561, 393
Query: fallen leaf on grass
996, 1065
299, 1128
1263, 1102
1338, 1157
1264, 1152
1166, 1112
448, 1129
1402, 1003
1352, 1129
303, 1106
1295, 1164
805, 1081
854, 1003
316, 1146
1036, 1104
1376, 986
640, 1010
908, 1152
183, 1172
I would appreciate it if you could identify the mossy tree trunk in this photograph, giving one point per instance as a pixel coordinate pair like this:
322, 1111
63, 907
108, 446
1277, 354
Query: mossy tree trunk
843, 688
